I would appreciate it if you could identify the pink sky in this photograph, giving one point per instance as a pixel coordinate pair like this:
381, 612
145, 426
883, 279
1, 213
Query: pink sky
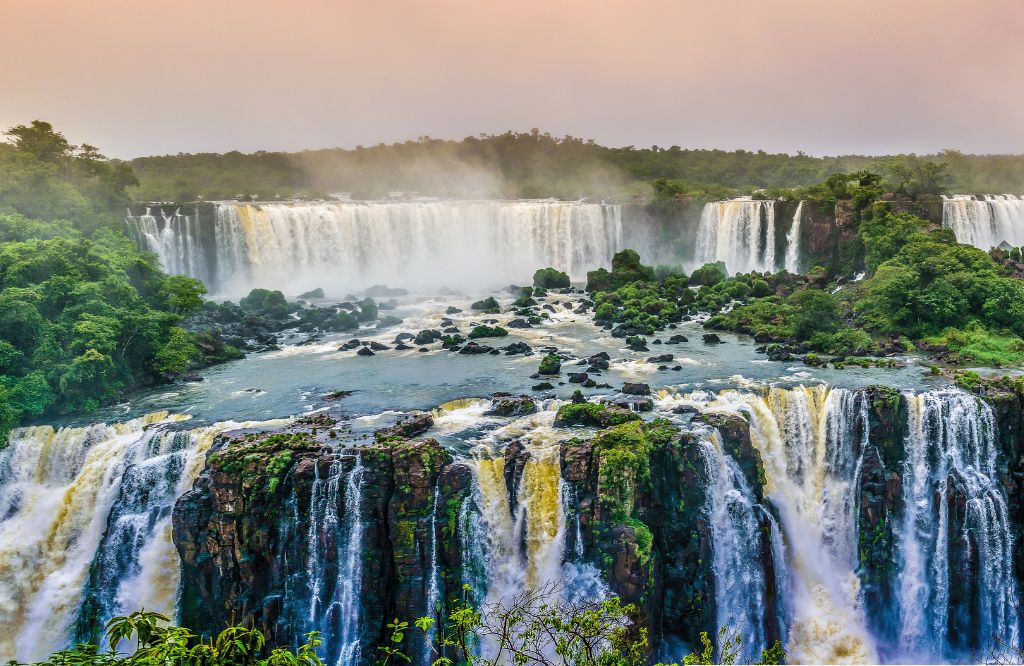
872, 76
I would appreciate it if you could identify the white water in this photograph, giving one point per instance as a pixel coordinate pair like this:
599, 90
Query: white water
950, 439
345, 246
793, 241
740, 232
336, 540
735, 534
985, 222
73, 497
175, 239
806, 439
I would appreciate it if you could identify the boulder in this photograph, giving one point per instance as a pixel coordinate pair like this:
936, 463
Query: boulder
630, 388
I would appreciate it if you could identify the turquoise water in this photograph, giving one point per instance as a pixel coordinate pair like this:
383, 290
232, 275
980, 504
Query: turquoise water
295, 379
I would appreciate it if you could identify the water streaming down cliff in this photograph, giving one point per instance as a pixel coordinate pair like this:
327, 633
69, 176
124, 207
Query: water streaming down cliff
85, 526
334, 560
740, 594
793, 241
808, 440
176, 239
344, 246
955, 543
985, 221
739, 232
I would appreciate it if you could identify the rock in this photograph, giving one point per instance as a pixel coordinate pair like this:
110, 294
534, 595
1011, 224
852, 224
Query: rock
657, 341
636, 389
661, 358
388, 321
512, 406
488, 304
314, 293
422, 349
351, 344
678, 339
517, 348
401, 346
551, 364
427, 336
519, 323
475, 348
402, 337
451, 309
578, 377
412, 425
191, 377
543, 386
684, 409
383, 291
712, 339
377, 346
365, 351
592, 415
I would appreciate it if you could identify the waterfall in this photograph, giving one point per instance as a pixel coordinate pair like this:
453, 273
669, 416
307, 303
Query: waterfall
951, 463
985, 222
336, 543
735, 533
175, 239
793, 241
345, 246
808, 441
85, 526
739, 232
434, 584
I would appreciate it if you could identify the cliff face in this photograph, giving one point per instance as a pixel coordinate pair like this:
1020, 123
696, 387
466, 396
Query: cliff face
266, 533
256, 545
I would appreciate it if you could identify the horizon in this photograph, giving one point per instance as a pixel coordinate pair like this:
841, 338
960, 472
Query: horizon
794, 76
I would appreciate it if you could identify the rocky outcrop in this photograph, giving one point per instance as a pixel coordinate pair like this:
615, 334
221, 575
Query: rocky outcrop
252, 527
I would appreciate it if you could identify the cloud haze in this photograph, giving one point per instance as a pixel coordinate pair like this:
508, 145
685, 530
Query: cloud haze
876, 76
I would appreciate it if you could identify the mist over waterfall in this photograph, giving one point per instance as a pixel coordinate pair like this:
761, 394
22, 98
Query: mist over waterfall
986, 221
343, 246
742, 233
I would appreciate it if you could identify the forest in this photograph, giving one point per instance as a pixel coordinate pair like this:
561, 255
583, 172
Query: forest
527, 165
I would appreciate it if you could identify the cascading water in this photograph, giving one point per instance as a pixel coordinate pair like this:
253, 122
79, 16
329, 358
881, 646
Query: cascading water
85, 526
344, 246
793, 241
334, 561
175, 238
808, 440
739, 232
985, 222
740, 592
949, 479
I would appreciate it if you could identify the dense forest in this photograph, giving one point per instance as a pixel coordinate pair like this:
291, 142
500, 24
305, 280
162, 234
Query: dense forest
84, 315
532, 164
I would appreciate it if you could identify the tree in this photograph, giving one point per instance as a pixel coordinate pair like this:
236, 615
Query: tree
40, 139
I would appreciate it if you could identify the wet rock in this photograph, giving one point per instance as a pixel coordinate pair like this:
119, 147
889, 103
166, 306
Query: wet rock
512, 406
661, 358
377, 346
712, 339
412, 425
517, 348
475, 348
519, 323
578, 377
630, 388
427, 336
678, 339
351, 344
401, 346
365, 351
191, 377
314, 293
402, 337
388, 321
543, 386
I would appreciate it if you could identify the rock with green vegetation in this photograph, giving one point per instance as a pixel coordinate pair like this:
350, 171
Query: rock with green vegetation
511, 405
489, 305
484, 331
626, 268
313, 293
241, 532
593, 415
551, 278
551, 364
411, 425
709, 274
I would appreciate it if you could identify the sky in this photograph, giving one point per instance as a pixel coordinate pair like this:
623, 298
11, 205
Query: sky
145, 77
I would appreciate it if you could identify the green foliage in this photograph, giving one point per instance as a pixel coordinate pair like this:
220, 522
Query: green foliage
978, 346
709, 274
489, 304
550, 278
483, 331
551, 364
158, 644
814, 311
626, 268
593, 414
